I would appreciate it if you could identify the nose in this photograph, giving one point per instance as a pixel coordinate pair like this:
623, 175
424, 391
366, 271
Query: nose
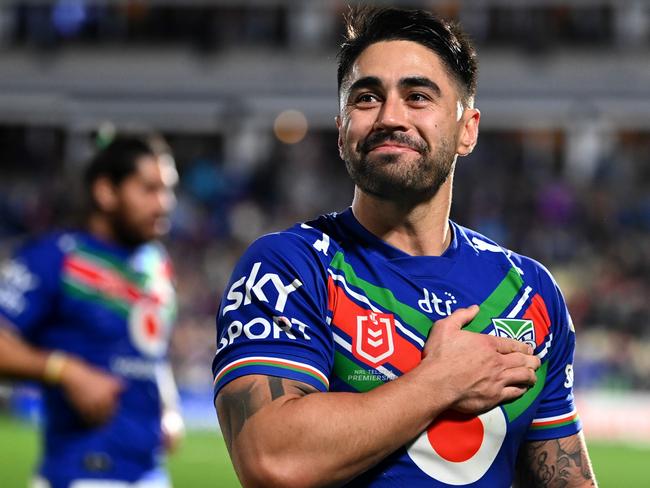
166, 201
392, 115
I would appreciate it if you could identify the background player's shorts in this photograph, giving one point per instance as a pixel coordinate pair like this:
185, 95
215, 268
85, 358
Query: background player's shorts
154, 479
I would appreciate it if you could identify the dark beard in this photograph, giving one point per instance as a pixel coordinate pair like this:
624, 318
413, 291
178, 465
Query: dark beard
385, 177
125, 233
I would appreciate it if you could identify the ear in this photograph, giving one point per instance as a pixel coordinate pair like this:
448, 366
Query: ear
104, 194
468, 127
339, 127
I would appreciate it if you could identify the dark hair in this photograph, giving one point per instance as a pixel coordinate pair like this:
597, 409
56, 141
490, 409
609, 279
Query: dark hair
119, 159
368, 25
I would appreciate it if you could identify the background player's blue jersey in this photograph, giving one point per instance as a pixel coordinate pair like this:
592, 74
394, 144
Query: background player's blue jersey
330, 304
113, 307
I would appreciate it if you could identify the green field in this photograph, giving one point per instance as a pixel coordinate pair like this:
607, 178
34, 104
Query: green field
203, 460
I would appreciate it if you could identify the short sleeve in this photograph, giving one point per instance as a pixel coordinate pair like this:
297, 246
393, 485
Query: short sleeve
556, 415
273, 315
28, 285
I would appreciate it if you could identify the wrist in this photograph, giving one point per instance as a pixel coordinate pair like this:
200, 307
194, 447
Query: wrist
54, 365
435, 379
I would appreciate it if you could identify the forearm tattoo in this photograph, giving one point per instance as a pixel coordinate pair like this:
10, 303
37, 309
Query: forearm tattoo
236, 403
556, 463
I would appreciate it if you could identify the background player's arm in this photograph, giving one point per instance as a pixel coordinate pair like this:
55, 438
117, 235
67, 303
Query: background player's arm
93, 393
561, 463
173, 427
285, 433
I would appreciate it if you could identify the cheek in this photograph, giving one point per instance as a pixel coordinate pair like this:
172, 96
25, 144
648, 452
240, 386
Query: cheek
136, 206
355, 130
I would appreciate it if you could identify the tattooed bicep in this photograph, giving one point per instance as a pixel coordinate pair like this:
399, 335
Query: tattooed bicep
240, 399
555, 463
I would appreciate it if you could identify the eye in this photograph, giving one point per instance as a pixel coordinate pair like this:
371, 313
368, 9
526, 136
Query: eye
366, 98
418, 98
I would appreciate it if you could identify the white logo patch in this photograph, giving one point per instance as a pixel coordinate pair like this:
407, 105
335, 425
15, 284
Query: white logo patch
436, 451
148, 330
15, 281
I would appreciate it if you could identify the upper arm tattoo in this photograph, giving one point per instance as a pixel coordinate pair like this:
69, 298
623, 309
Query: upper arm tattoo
555, 463
241, 399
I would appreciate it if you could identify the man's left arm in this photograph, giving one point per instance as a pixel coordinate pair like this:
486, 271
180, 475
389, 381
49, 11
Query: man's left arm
173, 427
554, 453
561, 463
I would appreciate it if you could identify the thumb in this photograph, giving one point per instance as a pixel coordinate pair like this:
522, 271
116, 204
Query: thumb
460, 317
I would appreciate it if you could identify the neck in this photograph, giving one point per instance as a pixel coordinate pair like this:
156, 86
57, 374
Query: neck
99, 226
420, 229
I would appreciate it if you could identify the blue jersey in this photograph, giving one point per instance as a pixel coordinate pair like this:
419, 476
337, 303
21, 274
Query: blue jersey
329, 304
113, 307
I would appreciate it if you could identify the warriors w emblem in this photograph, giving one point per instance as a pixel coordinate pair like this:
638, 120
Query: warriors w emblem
374, 341
518, 329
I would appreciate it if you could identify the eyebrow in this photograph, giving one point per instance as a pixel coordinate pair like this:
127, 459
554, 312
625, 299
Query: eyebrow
407, 82
365, 82
420, 81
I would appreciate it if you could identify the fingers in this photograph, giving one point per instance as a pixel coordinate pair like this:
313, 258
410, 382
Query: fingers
507, 346
513, 392
117, 386
99, 410
521, 376
98, 400
520, 360
460, 317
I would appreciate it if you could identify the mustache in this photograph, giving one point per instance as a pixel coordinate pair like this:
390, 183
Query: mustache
378, 138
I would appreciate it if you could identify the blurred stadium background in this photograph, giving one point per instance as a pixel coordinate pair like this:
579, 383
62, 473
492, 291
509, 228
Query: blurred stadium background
245, 92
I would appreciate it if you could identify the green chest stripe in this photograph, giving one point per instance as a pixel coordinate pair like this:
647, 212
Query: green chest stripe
497, 302
493, 306
355, 375
516, 408
106, 261
383, 297
363, 380
78, 290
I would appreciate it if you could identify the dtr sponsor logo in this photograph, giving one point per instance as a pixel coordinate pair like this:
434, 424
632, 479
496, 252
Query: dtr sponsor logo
441, 306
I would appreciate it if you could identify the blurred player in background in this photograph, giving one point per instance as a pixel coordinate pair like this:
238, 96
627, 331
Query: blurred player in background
328, 370
89, 314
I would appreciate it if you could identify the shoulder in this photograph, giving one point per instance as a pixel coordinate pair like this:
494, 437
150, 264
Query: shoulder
306, 242
153, 252
31, 275
47, 250
538, 284
485, 248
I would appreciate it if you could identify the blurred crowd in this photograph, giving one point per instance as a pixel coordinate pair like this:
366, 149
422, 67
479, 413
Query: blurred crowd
590, 224
209, 26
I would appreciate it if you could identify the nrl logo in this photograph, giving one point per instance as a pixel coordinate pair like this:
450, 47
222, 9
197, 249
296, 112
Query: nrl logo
522, 330
374, 340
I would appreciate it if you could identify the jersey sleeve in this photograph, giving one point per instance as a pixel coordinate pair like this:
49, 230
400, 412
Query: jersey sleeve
28, 285
556, 415
272, 318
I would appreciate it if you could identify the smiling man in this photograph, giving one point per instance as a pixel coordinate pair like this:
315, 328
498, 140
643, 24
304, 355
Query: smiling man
387, 345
